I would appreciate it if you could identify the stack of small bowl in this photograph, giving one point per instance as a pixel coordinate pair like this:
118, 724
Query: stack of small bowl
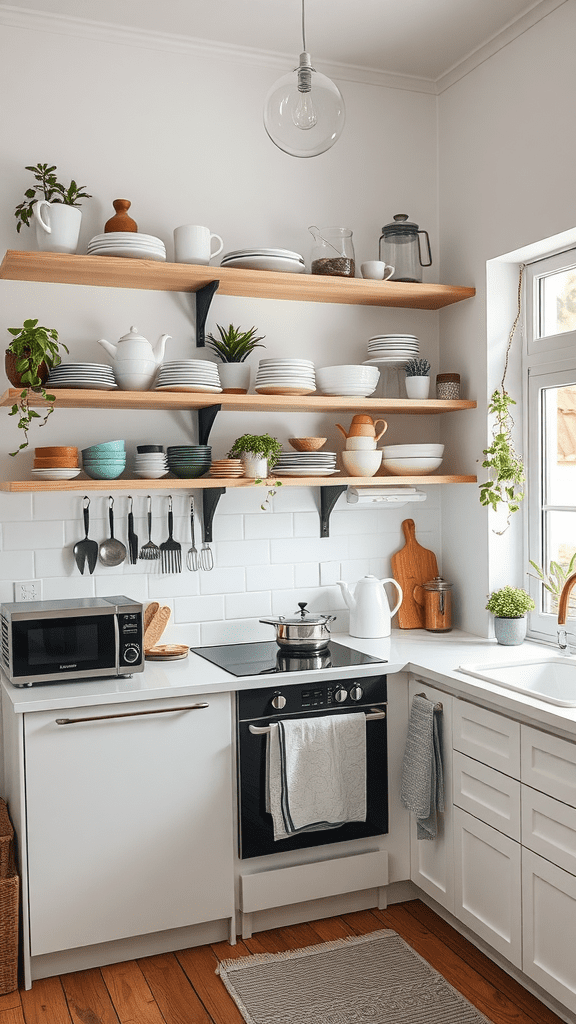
56, 463
359, 381
227, 468
105, 461
412, 459
150, 462
189, 460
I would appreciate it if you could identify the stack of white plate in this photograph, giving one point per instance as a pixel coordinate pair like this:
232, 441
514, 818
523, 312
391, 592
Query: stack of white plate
188, 375
392, 348
127, 243
150, 465
265, 259
285, 377
306, 464
95, 376
360, 381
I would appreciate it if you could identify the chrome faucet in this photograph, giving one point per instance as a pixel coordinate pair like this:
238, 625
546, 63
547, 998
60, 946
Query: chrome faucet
562, 633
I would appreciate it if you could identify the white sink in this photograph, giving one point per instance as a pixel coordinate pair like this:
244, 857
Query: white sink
549, 679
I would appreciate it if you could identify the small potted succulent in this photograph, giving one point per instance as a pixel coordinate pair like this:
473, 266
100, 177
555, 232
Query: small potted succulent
259, 453
30, 356
509, 606
232, 348
54, 209
417, 378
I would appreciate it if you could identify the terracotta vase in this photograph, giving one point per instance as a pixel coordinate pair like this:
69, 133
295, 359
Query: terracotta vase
121, 221
14, 377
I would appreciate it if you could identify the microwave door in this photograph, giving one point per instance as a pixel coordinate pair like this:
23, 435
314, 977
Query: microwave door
48, 649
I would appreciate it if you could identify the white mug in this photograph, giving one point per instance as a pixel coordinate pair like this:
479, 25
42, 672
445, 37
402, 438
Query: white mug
57, 226
375, 270
193, 244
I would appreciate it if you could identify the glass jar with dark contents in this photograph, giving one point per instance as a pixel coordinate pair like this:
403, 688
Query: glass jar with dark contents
333, 252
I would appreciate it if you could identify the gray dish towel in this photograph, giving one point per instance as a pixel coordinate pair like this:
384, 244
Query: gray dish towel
316, 773
422, 787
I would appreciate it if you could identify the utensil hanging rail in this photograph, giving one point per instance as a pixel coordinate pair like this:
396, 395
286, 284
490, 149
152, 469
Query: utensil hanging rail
371, 716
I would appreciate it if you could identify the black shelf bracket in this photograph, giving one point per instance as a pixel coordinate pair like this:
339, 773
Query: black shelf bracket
206, 417
210, 498
204, 297
328, 498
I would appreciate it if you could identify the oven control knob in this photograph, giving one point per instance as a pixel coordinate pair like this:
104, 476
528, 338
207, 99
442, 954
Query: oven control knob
278, 702
341, 695
356, 693
131, 654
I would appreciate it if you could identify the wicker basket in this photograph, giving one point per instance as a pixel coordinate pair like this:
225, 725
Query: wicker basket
9, 904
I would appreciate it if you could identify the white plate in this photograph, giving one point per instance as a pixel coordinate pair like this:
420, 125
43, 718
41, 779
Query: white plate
393, 337
56, 474
282, 265
135, 254
263, 252
188, 364
283, 389
305, 472
188, 387
287, 362
390, 360
120, 236
348, 393
188, 378
87, 385
151, 474
99, 246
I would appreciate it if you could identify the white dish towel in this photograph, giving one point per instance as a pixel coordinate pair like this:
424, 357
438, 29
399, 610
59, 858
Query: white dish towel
316, 773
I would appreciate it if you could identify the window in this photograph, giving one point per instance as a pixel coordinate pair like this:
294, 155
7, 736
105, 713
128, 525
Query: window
551, 452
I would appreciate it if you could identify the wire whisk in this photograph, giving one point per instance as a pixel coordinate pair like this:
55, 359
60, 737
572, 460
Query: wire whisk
192, 553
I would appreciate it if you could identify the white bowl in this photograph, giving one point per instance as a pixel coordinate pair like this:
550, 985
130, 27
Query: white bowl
357, 373
411, 467
413, 451
358, 463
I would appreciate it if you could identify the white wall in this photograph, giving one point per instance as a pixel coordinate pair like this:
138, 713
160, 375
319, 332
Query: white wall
182, 137
506, 172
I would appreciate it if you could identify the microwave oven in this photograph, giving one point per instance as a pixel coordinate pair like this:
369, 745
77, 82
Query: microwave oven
59, 641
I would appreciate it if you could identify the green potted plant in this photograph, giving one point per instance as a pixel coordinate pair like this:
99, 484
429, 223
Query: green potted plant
509, 606
553, 580
54, 209
259, 453
232, 348
30, 356
417, 378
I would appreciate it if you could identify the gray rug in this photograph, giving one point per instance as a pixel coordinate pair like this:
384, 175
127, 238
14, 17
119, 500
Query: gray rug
369, 979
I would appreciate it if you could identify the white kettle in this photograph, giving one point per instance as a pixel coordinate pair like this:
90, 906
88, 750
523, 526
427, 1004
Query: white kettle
135, 360
370, 613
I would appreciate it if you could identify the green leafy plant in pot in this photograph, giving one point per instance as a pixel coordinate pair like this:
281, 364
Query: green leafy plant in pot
54, 209
509, 606
233, 348
259, 453
30, 356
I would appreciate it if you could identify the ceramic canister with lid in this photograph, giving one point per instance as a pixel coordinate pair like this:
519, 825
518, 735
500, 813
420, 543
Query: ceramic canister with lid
437, 605
448, 385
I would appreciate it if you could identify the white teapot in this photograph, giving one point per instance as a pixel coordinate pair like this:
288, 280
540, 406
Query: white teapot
370, 613
134, 360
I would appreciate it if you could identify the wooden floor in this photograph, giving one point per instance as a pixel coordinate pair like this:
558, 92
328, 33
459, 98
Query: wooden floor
182, 988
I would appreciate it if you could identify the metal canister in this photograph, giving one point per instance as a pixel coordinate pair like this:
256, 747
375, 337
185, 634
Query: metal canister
437, 605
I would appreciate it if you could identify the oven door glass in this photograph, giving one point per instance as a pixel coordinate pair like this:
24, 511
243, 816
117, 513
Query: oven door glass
256, 832
79, 643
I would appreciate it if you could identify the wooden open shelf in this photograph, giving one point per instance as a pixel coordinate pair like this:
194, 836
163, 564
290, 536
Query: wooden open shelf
77, 398
117, 272
83, 483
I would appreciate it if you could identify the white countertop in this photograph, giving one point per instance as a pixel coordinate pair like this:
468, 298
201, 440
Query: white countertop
436, 656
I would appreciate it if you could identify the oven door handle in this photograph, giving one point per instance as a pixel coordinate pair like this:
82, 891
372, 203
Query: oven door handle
371, 716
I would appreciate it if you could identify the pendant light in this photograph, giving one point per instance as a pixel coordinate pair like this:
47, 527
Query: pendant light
304, 112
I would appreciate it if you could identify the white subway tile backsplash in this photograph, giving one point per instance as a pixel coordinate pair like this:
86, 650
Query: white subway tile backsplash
353, 520
57, 588
244, 606
224, 528
306, 574
318, 599
180, 584
17, 536
306, 549
231, 580
270, 577
295, 499
329, 573
16, 507
237, 631
17, 565
137, 587
272, 525
354, 568
249, 552
307, 524
199, 609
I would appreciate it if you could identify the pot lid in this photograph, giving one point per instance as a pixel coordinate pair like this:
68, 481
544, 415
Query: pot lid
133, 335
438, 583
304, 616
400, 224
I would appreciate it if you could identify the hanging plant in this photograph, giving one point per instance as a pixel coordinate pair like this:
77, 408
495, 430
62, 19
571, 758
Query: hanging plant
504, 487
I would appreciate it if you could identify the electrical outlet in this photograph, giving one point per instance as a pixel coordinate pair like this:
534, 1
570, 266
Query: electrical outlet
28, 590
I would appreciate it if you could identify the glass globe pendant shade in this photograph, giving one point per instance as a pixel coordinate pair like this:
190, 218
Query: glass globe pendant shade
304, 112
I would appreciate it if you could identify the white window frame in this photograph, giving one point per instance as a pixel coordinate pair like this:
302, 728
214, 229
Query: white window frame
548, 362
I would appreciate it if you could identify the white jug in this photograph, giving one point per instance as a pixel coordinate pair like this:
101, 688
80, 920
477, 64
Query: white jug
57, 226
370, 613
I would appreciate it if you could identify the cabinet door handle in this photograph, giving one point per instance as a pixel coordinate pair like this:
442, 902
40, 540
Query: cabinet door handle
370, 716
130, 714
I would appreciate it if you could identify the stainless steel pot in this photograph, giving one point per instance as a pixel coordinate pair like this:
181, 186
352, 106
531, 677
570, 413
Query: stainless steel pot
303, 632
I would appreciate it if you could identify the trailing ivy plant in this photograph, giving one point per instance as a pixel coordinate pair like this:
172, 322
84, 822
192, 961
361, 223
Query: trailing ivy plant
504, 486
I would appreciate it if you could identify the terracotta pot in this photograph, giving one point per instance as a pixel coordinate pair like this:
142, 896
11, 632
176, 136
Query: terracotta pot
14, 377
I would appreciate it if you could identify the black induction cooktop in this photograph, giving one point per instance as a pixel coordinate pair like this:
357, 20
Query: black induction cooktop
267, 658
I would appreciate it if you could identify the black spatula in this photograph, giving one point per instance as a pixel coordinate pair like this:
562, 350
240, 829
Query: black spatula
86, 550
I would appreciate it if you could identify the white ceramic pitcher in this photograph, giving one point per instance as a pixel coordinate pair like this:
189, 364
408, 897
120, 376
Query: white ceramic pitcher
57, 226
370, 613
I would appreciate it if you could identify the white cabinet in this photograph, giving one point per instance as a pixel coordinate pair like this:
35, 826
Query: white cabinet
487, 884
431, 860
129, 820
549, 909
487, 737
549, 764
489, 795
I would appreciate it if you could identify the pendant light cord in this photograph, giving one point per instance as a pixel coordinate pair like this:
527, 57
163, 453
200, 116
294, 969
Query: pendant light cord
303, 29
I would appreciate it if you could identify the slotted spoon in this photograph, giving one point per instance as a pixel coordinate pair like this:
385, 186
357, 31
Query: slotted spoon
170, 549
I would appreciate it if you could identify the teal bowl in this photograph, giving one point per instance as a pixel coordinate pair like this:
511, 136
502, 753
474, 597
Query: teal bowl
104, 473
106, 448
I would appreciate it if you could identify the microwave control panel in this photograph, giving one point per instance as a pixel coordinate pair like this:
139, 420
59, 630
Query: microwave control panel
130, 628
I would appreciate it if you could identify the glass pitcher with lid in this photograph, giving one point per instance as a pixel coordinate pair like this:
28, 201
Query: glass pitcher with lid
400, 246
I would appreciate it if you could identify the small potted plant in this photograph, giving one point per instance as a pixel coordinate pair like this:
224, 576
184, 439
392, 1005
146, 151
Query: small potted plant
232, 348
54, 208
30, 356
509, 606
417, 378
259, 453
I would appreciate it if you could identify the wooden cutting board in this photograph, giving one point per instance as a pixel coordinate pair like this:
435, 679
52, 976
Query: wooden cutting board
412, 566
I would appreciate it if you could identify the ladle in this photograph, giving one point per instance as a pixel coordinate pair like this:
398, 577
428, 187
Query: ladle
112, 551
